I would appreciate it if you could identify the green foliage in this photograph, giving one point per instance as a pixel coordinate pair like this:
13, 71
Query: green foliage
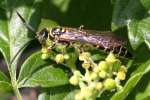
131, 15
4, 82
52, 77
55, 93
135, 15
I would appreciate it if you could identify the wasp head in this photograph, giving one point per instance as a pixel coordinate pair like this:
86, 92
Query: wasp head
43, 35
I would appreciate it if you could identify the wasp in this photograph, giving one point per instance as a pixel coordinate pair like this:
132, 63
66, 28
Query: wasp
103, 40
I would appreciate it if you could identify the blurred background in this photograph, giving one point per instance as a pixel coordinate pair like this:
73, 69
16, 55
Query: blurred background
93, 14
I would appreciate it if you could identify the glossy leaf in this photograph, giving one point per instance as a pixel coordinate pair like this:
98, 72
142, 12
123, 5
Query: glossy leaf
126, 10
4, 49
144, 30
136, 38
47, 77
14, 36
19, 35
141, 91
63, 92
46, 23
139, 32
134, 14
30, 66
144, 68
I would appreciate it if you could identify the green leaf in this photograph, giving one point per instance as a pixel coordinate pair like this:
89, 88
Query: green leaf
132, 82
46, 23
146, 4
144, 95
63, 92
47, 77
135, 36
73, 56
133, 14
71, 95
30, 66
5, 86
3, 77
121, 95
2, 4
144, 68
4, 49
18, 33
145, 30
61, 4
139, 32
98, 55
3, 25
4, 45
141, 91
14, 36
4, 83
126, 10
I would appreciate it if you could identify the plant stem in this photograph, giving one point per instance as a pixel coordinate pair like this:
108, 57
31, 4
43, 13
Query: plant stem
15, 87
14, 83
17, 93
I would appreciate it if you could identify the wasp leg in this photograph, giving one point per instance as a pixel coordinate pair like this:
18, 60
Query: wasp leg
81, 49
54, 43
52, 46
113, 50
66, 46
81, 27
77, 46
106, 50
126, 51
120, 50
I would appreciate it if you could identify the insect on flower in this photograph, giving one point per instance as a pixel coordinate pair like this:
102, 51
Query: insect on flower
104, 40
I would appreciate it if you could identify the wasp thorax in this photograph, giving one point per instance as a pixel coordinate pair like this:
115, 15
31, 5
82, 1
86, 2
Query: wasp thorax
57, 31
43, 35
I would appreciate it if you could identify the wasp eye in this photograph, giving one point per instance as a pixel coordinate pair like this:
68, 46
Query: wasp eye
43, 35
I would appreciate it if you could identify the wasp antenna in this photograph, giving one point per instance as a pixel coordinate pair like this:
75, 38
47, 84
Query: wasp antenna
29, 27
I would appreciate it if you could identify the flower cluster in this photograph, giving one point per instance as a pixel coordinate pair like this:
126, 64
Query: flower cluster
98, 77
45, 53
60, 58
